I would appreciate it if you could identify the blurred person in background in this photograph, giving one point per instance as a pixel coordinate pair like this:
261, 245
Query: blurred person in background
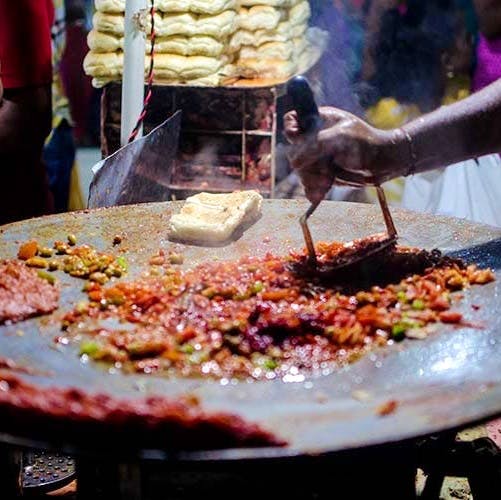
59, 150
84, 100
418, 55
488, 53
25, 107
405, 44
465, 190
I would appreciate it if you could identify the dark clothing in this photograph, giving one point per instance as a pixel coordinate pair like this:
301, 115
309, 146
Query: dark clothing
59, 157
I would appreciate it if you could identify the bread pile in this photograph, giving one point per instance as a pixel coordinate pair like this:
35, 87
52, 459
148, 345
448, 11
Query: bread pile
271, 41
191, 41
205, 42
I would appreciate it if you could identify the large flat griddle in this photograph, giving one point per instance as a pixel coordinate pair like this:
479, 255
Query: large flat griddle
448, 380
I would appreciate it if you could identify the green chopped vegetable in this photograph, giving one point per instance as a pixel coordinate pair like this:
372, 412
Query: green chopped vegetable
122, 262
72, 239
418, 305
257, 287
90, 348
398, 330
270, 364
187, 349
46, 276
402, 296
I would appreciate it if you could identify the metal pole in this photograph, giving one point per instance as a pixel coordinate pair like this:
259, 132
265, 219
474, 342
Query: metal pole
133, 74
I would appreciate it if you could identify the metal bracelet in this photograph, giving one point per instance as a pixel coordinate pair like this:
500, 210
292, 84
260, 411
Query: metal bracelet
413, 157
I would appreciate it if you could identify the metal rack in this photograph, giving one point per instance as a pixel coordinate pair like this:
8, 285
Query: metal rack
220, 121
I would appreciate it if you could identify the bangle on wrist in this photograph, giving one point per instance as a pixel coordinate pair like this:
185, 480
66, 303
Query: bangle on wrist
411, 170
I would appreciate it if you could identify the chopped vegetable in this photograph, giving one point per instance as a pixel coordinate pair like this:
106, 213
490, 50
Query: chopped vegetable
72, 239
98, 277
220, 320
61, 248
387, 408
209, 292
398, 331
27, 250
418, 305
45, 252
176, 258
36, 262
53, 265
270, 364
122, 262
46, 276
450, 317
82, 306
91, 349
187, 349
158, 260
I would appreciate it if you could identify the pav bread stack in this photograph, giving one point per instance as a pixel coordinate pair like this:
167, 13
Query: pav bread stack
205, 42
271, 41
191, 46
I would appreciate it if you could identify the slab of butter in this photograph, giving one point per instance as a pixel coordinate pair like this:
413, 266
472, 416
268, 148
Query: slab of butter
213, 218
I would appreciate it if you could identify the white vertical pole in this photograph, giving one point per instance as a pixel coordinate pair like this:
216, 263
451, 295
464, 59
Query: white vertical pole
133, 75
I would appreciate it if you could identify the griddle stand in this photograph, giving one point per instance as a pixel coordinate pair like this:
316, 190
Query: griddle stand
385, 471
301, 478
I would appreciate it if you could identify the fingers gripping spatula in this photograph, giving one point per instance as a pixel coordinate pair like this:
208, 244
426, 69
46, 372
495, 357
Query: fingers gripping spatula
139, 172
309, 122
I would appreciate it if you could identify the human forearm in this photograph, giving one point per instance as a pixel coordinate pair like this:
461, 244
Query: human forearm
454, 133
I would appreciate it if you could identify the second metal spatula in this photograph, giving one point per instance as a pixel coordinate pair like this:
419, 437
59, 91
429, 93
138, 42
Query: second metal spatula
309, 122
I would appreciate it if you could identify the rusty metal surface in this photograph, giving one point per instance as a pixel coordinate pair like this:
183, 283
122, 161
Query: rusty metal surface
450, 379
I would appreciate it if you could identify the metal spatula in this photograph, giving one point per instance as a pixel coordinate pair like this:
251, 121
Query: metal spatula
139, 172
309, 121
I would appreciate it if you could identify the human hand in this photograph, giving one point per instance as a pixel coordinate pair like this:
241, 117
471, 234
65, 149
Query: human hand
346, 150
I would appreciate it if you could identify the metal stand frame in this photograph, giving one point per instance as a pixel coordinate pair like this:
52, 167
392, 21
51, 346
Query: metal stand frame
388, 472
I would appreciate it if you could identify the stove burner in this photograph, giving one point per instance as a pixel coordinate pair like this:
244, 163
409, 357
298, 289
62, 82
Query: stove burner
45, 472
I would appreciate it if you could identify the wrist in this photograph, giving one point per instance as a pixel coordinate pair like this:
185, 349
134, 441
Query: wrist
404, 157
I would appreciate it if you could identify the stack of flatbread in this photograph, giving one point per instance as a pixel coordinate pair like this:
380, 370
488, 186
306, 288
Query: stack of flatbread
271, 41
205, 42
192, 41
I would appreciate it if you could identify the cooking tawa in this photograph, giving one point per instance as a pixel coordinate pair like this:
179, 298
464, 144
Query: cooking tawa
448, 380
